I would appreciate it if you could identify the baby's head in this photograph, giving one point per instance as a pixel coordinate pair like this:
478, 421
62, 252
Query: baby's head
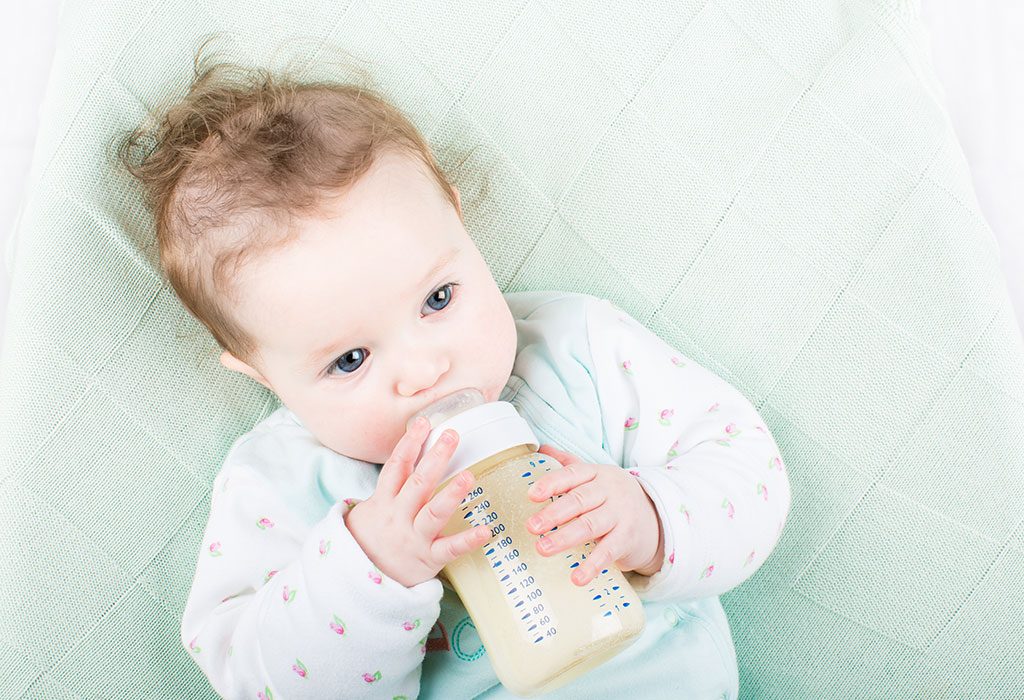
309, 228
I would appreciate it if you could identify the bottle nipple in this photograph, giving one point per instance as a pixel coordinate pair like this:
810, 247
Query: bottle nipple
484, 428
448, 406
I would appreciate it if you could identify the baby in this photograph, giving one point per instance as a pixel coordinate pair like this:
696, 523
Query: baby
309, 228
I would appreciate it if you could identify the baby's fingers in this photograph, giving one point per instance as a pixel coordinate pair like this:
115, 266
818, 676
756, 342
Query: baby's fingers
447, 549
397, 468
606, 551
433, 516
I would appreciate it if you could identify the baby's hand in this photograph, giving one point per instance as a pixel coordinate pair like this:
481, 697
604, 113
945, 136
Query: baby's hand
398, 525
608, 506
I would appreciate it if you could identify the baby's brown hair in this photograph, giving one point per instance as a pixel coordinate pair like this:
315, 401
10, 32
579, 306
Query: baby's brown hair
226, 168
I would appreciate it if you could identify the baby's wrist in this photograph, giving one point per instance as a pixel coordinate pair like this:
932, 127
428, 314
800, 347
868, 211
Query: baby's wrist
654, 564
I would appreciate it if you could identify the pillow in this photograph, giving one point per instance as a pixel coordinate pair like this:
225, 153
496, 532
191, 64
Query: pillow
772, 187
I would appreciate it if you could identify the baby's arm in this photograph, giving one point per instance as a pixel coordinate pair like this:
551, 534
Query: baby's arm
287, 610
700, 450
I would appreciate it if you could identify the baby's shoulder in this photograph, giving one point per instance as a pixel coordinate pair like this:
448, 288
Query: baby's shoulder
541, 304
277, 440
280, 426
280, 459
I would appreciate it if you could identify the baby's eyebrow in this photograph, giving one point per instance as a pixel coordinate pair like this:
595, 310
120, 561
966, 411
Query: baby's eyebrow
321, 354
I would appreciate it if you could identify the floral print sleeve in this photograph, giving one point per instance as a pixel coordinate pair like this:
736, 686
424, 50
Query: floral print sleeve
280, 609
699, 449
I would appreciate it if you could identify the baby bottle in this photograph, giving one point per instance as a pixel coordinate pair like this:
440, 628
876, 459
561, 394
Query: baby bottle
539, 628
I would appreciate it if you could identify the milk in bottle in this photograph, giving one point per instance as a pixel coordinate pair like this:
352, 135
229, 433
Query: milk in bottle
539, 629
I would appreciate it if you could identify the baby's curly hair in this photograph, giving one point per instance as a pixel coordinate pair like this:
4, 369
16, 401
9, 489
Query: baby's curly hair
227, 168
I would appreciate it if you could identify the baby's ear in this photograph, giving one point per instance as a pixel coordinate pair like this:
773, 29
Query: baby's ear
236, 365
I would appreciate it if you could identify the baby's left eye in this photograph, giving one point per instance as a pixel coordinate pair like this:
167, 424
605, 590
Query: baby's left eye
442, 296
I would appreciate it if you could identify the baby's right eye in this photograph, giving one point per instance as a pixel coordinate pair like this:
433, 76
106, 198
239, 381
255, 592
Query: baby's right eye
346, 363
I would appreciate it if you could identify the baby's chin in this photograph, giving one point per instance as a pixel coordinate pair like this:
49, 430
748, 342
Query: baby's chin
358, 455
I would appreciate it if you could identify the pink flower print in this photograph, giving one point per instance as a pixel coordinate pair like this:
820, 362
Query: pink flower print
631, 423
682, 509
731, 431
666, 416
338, 625
371, 679
325, 547
713, 408
300, 668
634, 472
264, 523
287, 595
672, 450
270, 575
677, 362
672, 557
215, 549
730, 510
763, 490
350, 503
775, 463
626, 366
750, 558
410, 625
265, 694
761, 428
707, 572
374, 576
192, 646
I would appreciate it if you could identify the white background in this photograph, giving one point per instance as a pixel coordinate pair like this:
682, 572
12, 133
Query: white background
977, 51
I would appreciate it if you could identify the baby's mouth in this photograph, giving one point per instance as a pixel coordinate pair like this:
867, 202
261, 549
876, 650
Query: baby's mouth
447, 405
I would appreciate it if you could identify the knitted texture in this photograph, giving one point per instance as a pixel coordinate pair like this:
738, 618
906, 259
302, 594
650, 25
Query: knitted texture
772, 187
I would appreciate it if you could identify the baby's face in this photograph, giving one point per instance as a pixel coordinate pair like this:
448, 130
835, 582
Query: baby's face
357, 330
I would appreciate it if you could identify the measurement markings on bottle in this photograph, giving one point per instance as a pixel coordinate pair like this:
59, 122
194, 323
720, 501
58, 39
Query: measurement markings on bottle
604, 591
522, 591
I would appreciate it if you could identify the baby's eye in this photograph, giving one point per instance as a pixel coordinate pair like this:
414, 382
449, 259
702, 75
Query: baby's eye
352, 360
445, 296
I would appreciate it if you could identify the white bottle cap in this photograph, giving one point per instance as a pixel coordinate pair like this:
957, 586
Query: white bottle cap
484, 428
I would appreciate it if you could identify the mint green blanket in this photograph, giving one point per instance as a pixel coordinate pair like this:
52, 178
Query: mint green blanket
772, 187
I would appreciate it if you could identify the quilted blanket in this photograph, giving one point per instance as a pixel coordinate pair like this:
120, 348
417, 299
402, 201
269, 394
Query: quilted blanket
772, 186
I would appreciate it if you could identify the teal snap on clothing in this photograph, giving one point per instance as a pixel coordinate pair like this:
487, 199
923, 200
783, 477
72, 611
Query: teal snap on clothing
285, 603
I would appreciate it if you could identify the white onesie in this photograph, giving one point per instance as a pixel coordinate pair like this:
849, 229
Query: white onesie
285, 604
